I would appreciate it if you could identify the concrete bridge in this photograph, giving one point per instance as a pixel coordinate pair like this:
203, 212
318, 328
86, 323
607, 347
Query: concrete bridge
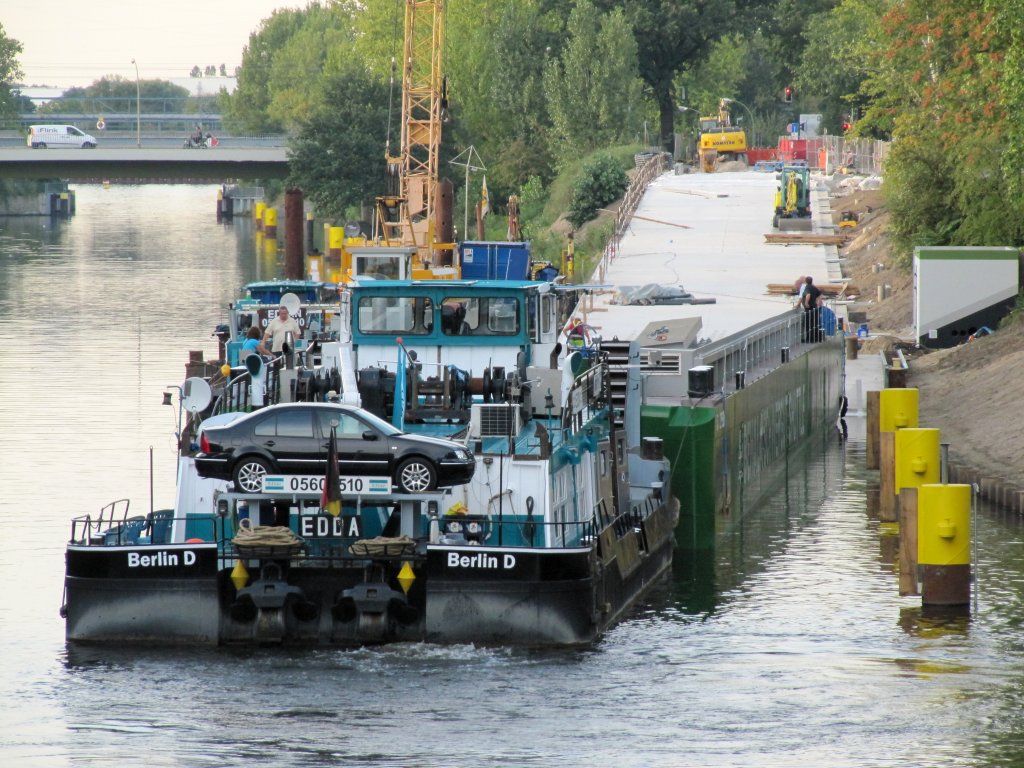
158, 163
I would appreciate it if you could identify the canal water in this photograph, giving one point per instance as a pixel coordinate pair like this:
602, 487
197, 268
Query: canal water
788, 646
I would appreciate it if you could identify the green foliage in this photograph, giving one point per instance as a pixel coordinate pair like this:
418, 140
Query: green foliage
10, 73
338, 156
671, 34
602, 181
838, 58
593, 89
941, 80
248, 108
495, 84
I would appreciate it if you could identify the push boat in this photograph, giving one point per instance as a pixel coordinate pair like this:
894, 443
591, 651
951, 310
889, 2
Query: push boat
564, 526
584, 435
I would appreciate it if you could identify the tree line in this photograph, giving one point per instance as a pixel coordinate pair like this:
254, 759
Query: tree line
536, 85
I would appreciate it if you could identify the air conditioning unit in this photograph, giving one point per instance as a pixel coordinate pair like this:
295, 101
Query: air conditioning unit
494, 420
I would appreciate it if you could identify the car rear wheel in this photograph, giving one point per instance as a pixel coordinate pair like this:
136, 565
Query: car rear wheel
416, 475
249, 474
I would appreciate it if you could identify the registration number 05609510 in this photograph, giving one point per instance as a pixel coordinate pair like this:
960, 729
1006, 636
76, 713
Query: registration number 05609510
315, 484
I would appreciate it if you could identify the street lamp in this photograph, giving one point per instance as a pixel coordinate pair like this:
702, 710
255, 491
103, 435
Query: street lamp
737, 101
138, 108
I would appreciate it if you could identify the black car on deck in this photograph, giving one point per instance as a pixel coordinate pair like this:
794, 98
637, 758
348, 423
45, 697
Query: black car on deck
293, 439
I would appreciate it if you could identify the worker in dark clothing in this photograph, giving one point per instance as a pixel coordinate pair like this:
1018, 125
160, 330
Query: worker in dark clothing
809, 302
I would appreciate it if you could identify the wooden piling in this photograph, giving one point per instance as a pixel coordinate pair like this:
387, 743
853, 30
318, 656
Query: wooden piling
908, 541
887, 477
872, 428
294, 261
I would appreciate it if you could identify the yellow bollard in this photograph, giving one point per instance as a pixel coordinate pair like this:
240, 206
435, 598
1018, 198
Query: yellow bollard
335, 242
917, 458
270, 222
897, 409
258, 215
944, 544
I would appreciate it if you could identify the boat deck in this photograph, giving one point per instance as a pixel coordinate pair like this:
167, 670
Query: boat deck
706, 233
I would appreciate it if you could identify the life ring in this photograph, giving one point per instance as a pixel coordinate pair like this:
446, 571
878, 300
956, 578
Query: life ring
101, 124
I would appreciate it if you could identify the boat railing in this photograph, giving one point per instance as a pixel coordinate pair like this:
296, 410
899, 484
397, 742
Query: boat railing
237, 392
648, 169
755, 351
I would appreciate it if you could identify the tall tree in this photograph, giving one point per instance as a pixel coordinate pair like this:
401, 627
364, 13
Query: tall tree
941, 81
10, 73
338, 157
593, 89
496, 88
837, 58
670, 34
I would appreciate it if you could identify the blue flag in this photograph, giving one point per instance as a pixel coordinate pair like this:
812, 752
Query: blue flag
398, 413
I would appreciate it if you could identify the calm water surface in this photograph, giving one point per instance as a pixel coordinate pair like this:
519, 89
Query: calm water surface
788, 647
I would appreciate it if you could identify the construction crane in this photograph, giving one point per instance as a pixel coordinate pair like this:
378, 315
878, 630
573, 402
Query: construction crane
415, 214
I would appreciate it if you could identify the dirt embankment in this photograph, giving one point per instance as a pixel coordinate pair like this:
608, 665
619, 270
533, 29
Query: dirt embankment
972, 392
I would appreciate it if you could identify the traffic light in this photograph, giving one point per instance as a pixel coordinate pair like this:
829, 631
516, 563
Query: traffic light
847, 125
788, 93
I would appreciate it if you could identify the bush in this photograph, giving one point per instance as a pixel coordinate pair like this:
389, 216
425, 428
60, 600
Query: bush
602, 181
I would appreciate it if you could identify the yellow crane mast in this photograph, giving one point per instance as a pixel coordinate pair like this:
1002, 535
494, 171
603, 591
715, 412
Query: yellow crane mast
408, 218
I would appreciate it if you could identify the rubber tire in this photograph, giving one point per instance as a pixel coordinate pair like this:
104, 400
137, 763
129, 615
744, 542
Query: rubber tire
249, 469
40, 145
415, 475
88, 145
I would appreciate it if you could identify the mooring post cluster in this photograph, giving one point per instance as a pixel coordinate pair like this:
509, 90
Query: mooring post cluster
931, 515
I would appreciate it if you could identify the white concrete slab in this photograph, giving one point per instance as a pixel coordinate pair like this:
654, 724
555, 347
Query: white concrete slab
706, 232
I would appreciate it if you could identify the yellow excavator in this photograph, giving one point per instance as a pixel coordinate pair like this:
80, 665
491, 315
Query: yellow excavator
720, 140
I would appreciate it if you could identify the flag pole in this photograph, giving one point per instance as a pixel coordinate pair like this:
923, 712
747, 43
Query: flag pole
468, 154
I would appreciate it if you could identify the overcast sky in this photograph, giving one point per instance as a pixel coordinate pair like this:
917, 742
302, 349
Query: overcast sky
75, 43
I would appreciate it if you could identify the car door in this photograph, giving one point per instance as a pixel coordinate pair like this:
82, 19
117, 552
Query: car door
292, 442
357, 455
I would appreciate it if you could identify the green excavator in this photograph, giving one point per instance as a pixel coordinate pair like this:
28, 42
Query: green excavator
793, 199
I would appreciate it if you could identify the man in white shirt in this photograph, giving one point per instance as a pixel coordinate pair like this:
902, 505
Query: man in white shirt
278, 328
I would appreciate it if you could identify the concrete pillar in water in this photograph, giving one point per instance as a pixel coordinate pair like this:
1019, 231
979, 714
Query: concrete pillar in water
258, 215
944, 544
294, 267
270, 222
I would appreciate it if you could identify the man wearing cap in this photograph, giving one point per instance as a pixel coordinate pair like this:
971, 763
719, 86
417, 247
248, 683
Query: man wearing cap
278, 329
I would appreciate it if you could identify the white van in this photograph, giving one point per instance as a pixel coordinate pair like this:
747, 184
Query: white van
43, 136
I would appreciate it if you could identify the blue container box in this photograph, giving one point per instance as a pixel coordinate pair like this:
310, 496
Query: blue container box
494, 260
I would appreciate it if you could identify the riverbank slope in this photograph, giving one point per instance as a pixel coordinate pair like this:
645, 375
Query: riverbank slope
972, 392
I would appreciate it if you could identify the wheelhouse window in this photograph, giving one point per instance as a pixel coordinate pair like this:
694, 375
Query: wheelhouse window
480, 316
395, 314
378, 267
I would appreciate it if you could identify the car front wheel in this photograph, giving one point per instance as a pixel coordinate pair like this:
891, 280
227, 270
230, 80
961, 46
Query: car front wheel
416, 475
249, 474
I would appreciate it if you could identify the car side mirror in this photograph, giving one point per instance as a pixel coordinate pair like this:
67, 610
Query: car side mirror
369, 434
